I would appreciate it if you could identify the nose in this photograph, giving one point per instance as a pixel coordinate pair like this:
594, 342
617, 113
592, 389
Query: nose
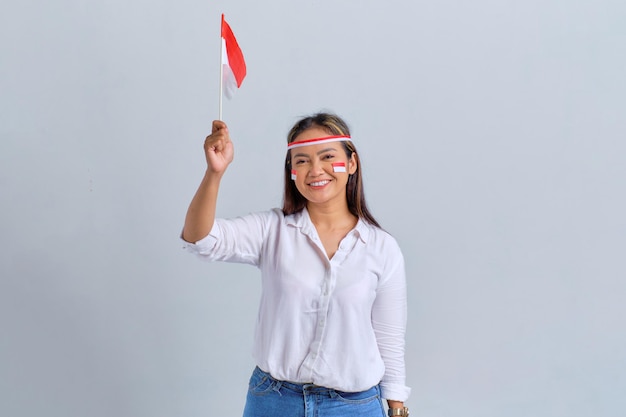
317, 169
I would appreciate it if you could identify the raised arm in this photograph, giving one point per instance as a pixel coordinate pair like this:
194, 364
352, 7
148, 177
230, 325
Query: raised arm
219, 153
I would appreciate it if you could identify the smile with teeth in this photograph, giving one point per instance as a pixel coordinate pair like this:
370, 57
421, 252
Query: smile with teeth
319, 183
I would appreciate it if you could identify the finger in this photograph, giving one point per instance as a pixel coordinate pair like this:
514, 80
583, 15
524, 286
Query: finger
216, 142
218, 125
220, 136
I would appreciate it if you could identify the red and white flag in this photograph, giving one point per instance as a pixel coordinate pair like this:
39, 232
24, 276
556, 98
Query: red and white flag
233, 64
339, 167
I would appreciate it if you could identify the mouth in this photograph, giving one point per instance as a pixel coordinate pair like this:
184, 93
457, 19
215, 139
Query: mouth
319, 183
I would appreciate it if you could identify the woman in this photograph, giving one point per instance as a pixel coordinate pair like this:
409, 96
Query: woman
329, 339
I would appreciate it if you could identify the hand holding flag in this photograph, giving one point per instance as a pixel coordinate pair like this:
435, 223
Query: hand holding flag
218, 148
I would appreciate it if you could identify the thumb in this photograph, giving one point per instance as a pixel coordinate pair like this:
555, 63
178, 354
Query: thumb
218, 125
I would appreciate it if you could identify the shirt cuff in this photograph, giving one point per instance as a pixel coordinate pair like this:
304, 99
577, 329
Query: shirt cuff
205, 245
397, 392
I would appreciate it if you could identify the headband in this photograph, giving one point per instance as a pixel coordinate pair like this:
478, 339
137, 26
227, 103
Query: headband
316, 141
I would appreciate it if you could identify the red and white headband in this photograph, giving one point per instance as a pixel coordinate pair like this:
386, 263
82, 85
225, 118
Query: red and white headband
316, 141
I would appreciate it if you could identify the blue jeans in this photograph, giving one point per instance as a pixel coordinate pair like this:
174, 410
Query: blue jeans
268, 397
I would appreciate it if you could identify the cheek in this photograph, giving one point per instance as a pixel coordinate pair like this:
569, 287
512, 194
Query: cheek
299, 182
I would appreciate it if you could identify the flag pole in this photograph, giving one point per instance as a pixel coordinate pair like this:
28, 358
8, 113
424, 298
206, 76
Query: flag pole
221, 67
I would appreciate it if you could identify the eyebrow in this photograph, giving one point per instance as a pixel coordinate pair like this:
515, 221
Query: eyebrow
318, 152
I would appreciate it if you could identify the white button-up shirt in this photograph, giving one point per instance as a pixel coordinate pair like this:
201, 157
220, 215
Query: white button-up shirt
339, 322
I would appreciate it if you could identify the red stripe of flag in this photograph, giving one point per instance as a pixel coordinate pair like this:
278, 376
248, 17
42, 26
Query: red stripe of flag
236, 61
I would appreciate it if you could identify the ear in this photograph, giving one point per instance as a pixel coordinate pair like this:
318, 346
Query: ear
352, 164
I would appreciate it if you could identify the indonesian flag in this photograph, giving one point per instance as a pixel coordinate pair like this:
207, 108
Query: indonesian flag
233, 64
339, 167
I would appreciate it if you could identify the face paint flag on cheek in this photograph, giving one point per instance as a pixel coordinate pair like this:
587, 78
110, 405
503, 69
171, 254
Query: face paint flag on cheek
293, 174
339, 167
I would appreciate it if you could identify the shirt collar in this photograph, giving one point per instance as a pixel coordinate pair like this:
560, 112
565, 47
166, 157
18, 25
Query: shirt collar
302, 221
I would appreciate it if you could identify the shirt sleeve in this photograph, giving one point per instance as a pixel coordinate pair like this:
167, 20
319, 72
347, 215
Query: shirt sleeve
238, 240
389, 316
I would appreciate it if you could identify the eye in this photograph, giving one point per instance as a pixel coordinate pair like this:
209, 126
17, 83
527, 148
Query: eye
328, 156
299, 161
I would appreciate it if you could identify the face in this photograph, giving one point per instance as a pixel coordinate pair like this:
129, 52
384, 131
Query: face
316, 178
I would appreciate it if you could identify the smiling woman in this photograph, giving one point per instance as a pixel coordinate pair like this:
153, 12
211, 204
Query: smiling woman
331, 327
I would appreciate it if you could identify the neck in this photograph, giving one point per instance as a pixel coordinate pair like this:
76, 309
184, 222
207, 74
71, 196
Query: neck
331, 216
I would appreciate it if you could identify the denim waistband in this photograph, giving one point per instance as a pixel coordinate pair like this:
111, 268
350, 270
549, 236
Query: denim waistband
301, 388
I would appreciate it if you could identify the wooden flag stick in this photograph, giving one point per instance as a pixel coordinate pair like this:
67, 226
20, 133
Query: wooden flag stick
221, 67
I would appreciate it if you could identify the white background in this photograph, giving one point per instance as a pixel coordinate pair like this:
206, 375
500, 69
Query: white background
492, 136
